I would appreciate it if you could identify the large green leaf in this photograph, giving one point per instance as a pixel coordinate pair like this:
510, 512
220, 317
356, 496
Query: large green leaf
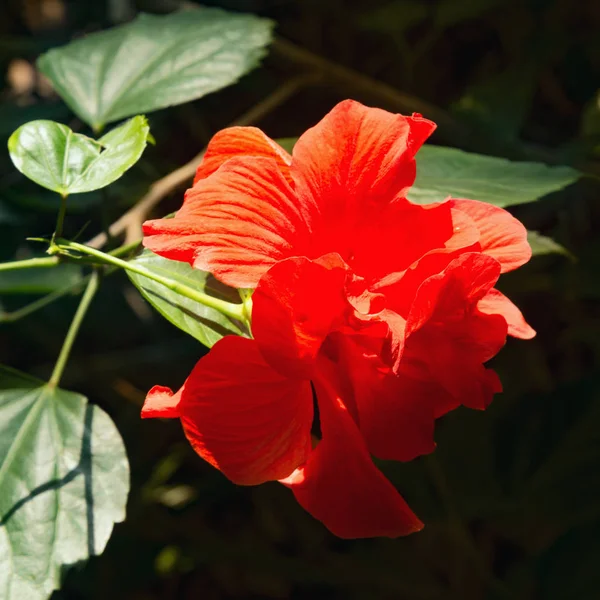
443, 172
205, 324
154, 62
65, 162
64, 478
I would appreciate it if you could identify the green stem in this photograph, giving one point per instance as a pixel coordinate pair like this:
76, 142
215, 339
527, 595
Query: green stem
90, 291
126, 248
38, 304
61, 217
28, 309
235, 311
30, 263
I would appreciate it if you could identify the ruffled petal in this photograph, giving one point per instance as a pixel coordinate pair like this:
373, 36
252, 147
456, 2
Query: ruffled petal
391, 241
235, 224
295, 306
495, 302
395, 413
448, 334
454, 357
447, 295
242, 141
244, 418
501, 235
340, 485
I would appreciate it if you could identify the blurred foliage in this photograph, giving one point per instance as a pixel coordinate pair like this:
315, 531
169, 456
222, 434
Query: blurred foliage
511, 498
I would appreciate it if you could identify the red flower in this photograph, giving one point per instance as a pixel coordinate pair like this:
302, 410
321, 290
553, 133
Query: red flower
387, 308
343, 191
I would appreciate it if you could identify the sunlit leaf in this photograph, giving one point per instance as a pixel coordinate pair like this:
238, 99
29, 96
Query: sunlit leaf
64, 478
443, 172
154, 62
205, 324
66, 162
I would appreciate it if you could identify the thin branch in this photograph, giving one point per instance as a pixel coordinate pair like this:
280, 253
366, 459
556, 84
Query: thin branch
130, 223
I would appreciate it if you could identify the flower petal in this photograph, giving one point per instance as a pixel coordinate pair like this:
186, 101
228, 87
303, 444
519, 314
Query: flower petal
241, 141
243, 417
395, 412
296, 304
389, 242
495, 302
340, 485
501, 235
449, 338
161, 403
444, 296
235, 224
357, 158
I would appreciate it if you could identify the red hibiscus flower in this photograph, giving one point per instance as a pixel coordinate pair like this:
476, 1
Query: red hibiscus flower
386, 309
343, 190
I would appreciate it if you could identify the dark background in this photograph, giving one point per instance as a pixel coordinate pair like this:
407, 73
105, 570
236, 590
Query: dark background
511, 498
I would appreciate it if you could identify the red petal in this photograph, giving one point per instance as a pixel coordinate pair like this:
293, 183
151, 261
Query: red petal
354, 160
296, 304
402, 233
242, 141
450, 336
161, 403
501, 235
243, 417
495, 302
235, 223
395, 413
340, 485
465, 281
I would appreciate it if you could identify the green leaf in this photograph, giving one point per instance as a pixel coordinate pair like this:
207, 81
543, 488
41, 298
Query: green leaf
443, 172
40, 280
205, 324
541, 245
64, 478
154, 62
65, 162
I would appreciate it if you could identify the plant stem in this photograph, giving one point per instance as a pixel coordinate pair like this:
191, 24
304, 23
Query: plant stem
235, 311
126, 248
30, 263
61, 217
90, 291
28, 309
38, 304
